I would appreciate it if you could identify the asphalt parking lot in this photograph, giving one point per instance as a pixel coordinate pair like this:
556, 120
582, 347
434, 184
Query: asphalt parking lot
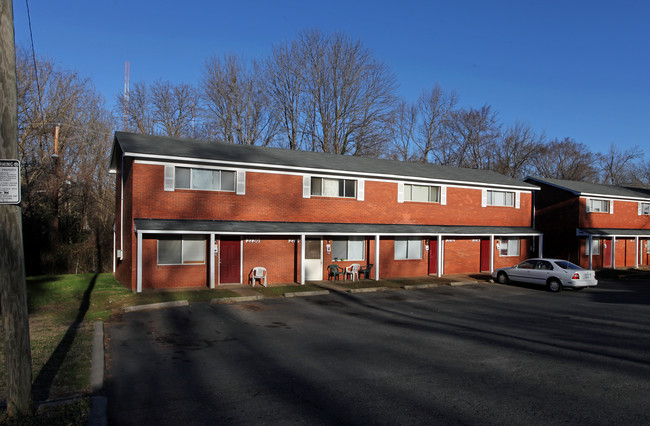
473, 354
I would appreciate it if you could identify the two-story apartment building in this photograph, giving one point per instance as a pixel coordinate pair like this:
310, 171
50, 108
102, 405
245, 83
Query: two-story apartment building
192, 214
593, 225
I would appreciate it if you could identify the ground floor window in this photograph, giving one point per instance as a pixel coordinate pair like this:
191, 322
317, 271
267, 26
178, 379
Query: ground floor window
408, 248
509, 247
181, 250
595, 246
647, 246
352, 248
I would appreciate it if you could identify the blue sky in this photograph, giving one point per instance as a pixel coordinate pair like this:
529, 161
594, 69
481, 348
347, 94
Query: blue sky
577, 69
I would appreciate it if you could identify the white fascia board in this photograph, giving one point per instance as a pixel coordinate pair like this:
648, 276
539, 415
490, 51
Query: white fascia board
260, 167
342, 234
613, 197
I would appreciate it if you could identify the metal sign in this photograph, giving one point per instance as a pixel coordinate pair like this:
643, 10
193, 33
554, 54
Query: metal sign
9, 181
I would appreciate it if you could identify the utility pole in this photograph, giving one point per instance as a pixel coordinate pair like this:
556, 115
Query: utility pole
13, 292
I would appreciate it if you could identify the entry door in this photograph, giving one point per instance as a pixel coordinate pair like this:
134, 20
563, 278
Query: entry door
485, 254
433, 257
607, 253
230, 262
313, 259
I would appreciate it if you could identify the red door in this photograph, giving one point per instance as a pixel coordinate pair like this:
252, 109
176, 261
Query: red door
607, 253
485, 254
433, 257
230, 262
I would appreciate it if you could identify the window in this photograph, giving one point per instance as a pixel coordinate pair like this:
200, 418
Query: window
204, 179
428, 194
352, 248
644, 208
509, 247
181, 250
325, 187
408, 248
597, 206
595, 246
647, 246
566, 265
500, 198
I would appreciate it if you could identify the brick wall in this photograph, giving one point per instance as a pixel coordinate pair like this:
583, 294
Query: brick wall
275, 197
625, 215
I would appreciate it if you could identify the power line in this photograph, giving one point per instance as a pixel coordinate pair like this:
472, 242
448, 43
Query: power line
31, 37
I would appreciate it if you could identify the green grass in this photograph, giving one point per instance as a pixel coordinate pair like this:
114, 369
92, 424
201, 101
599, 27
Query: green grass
62, 310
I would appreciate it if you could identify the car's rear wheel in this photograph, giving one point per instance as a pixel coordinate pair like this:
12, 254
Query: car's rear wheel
554, 285
502, 278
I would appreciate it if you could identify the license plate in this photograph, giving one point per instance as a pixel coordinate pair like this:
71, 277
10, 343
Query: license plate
587, 275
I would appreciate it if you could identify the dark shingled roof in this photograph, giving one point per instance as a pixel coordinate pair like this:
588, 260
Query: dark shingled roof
297, 228
586, 188
162, 147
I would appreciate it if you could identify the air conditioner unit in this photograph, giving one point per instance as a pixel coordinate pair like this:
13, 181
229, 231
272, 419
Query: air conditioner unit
119, 254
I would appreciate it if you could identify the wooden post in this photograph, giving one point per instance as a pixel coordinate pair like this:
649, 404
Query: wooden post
13, 293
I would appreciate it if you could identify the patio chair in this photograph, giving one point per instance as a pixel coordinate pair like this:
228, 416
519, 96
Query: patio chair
365, 270
353, 270
334, 271
259, 273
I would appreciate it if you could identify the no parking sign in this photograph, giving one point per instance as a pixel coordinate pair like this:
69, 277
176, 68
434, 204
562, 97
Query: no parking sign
9, 181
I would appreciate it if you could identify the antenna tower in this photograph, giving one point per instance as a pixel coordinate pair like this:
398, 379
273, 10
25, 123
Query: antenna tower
127, 72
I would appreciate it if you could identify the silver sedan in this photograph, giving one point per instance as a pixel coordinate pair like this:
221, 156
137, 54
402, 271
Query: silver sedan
553, 273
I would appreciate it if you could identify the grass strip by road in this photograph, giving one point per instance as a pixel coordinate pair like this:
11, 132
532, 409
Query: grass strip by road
62, 310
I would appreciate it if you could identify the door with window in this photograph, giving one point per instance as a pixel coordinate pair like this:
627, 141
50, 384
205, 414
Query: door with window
433, 257
313, 259
230, 261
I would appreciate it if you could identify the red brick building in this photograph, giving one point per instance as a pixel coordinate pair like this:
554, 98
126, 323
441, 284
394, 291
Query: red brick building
200, 214
595, 226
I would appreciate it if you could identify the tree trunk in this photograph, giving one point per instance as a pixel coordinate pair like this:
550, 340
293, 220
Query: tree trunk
13, 294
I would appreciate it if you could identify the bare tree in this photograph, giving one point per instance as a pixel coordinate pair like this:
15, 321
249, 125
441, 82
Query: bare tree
236, 102
565, 159
403, 132
436, 108
351, 95
514, 153
475, 134
617, 165
137, 109
285, 82
64, 143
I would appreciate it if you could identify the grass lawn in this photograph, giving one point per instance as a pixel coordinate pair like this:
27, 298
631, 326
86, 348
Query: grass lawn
62, 311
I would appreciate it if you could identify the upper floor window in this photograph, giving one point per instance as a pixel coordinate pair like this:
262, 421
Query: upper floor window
509, 247
204, 179
500, 198
181, 250
352, 248
424, 193
326, 187
595, 206
644, 208
408, 248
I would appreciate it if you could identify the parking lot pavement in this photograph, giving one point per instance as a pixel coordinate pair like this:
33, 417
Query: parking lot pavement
474, 354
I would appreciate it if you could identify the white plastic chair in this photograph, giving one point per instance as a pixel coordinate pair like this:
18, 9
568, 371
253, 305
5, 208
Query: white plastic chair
259, 273
353, 270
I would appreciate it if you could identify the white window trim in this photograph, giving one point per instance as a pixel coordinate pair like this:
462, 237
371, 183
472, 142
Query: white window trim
594, 242
516, 198
181, 237
506, 240
240, 179
402, 188
347, 241
407, 239
336, 178
641, 204
609, 201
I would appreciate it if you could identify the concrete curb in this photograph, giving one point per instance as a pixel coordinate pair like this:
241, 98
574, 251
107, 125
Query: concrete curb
463, 283
306, 293
98, 404
156, 306
419, 286
230, 300
367, 289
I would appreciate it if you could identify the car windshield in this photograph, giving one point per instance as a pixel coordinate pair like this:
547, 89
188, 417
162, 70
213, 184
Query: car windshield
566, 265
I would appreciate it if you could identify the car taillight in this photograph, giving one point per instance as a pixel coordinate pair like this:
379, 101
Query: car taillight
575, 276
